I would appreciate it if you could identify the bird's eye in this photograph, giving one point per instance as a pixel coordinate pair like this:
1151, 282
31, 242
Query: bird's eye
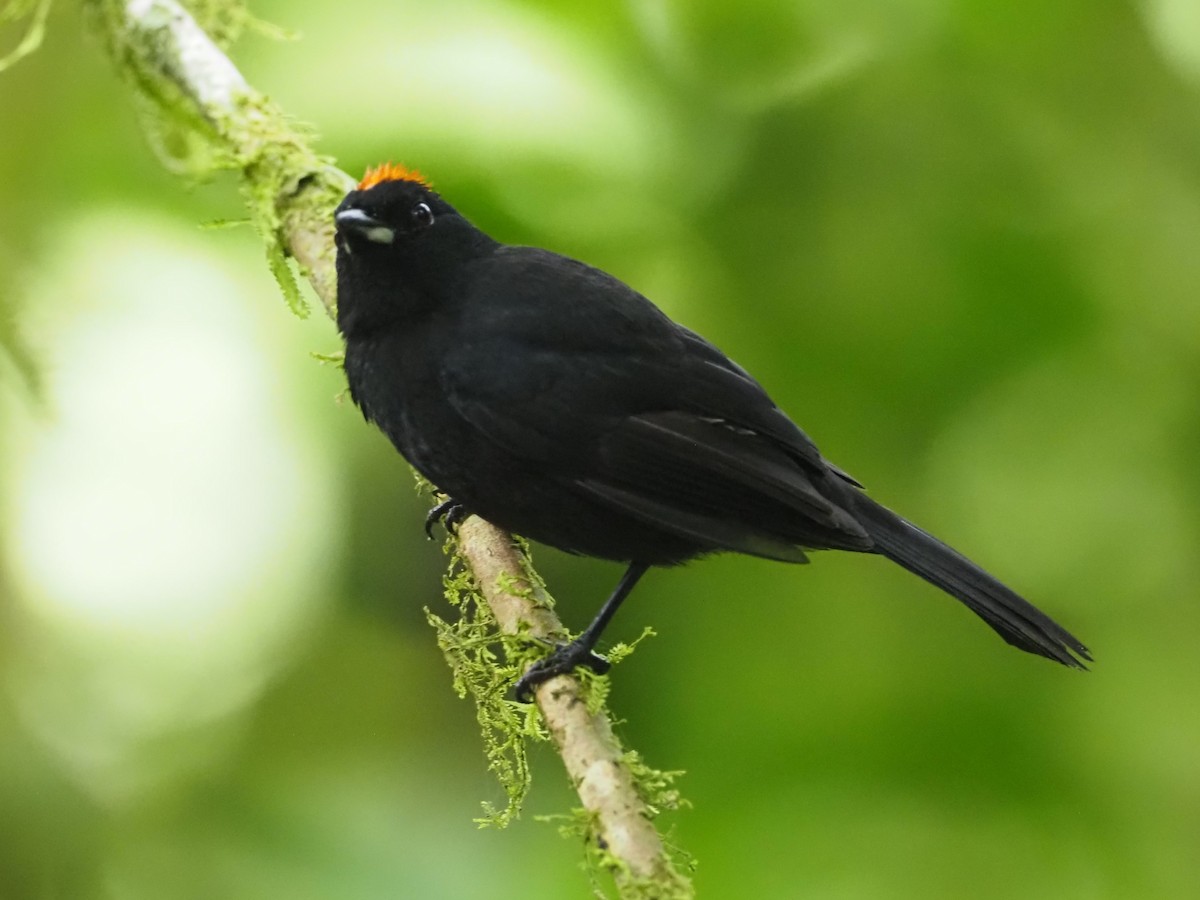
422, 215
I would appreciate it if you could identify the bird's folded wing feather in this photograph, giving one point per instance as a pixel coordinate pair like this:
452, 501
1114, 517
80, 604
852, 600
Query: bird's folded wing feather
673, 434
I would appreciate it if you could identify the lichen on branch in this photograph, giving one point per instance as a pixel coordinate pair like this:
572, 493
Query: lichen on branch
203, 117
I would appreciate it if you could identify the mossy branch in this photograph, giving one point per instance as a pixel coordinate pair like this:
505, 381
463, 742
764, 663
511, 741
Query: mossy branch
186, 82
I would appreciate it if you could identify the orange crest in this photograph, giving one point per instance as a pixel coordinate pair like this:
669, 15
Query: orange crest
391, 172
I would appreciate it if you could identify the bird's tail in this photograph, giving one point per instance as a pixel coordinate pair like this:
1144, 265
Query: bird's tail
1016, 620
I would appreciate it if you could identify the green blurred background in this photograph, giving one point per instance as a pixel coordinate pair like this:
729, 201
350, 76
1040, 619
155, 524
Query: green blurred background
956, 239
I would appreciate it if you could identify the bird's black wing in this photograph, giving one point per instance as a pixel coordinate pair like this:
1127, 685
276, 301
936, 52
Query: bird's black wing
615, 400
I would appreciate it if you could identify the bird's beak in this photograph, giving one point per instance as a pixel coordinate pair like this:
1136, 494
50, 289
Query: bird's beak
357, 221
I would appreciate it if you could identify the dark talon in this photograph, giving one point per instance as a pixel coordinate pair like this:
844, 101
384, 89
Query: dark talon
449, 512
565, 659
454, 517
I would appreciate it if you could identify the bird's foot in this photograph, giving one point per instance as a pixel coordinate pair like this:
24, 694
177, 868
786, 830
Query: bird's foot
450, 513
565, 659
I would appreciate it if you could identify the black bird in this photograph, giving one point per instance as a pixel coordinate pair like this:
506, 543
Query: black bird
560, 404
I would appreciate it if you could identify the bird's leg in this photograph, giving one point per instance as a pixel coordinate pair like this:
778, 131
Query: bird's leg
579, 652
449, 512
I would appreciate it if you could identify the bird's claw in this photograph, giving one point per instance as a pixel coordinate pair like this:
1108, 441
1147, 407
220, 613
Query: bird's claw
450, 513
565, 659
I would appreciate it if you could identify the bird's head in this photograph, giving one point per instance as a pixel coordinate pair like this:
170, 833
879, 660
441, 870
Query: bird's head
400, 246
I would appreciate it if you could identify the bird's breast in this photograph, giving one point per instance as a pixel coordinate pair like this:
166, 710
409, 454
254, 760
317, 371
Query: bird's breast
396, 385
